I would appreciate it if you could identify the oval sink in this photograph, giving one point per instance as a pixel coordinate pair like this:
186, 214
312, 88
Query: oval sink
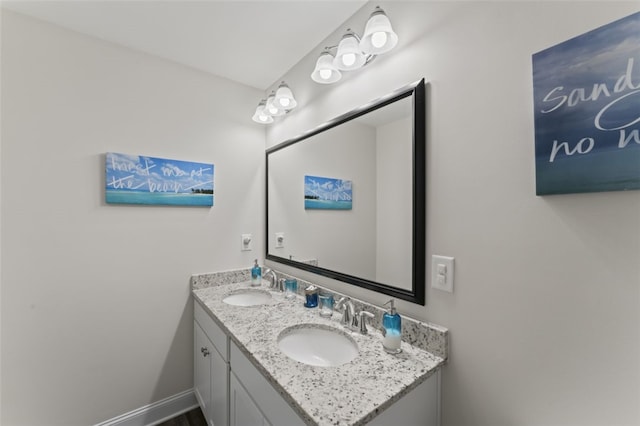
318, 345
247, 297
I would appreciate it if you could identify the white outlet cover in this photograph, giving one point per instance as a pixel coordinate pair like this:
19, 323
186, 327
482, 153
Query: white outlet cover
246, 242
279, 239
442, 273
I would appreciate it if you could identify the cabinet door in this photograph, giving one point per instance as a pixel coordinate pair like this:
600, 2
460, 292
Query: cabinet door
244, 411
272, 405
219, 390
202, 370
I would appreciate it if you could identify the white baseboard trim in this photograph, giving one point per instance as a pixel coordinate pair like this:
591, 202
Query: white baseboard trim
157, 412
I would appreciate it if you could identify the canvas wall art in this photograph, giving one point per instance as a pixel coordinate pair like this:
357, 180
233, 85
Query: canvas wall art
322, 193
138, 179
587, 111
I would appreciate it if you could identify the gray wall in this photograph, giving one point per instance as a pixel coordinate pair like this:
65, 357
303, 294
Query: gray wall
96, 312
545, 317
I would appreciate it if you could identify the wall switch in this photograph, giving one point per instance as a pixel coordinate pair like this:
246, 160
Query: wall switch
279, 239
442, 273
246, 242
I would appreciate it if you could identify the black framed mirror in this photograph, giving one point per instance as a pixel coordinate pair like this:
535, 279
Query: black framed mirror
346, 200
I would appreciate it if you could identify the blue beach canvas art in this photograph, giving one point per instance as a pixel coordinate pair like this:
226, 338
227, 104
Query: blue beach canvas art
322, 193
137, 179
587, 111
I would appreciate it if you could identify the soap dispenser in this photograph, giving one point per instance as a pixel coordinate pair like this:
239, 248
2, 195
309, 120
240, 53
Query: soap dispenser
391, 329
256, 274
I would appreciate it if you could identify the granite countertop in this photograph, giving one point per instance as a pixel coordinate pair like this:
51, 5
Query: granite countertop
350, 394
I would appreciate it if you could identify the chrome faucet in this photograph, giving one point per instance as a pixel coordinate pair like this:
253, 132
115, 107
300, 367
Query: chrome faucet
274, 283
348, 314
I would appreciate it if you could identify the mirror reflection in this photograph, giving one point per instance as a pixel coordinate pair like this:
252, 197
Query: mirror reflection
340, 200
362, 163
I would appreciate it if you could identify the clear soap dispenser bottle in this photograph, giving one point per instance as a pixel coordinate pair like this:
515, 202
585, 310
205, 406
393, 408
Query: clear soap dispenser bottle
391, 329
256, 274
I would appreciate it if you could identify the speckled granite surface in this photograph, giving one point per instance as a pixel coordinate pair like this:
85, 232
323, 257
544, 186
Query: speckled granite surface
351, 394
220, 278
428, 336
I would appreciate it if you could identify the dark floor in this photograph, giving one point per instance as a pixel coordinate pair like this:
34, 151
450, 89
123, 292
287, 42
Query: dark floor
190, 418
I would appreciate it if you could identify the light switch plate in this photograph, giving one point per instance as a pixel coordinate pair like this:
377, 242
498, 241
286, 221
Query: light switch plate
246, 242
442, 273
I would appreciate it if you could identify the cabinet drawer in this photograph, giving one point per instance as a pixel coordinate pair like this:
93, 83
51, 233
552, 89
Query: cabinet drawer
212, 330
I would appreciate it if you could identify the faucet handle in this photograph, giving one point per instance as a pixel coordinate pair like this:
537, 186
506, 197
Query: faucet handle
343, 301
362, 315
346, 316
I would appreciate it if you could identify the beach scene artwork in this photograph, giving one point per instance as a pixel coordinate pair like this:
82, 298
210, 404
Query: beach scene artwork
323, 193
138, 179
586, 104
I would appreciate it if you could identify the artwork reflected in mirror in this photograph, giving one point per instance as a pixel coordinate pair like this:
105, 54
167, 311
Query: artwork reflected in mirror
321, 193
347, 199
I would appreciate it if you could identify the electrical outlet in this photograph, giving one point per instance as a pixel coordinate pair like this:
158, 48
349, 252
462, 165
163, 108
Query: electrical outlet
279, 239
442, 273
246, 242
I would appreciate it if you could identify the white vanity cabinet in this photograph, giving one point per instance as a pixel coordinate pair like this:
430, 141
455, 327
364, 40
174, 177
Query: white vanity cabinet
229, 389
254, 402
211, 368
232, 391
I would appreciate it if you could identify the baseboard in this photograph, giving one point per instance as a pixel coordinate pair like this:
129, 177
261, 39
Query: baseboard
157, 412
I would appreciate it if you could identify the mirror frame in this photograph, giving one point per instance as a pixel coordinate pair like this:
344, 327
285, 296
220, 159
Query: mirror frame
417, 293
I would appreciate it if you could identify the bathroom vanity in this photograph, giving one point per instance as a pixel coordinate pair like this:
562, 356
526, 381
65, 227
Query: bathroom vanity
242, 377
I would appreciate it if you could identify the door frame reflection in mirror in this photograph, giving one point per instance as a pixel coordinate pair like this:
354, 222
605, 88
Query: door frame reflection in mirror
416, 293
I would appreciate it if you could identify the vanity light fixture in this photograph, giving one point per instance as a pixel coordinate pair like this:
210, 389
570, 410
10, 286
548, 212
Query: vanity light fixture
284, 97
378, 36
261, 115
277, 104
271, 107
349, 55
325, 72
352, 52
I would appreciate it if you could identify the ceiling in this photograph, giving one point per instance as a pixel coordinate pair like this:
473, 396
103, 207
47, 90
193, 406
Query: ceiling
251, 42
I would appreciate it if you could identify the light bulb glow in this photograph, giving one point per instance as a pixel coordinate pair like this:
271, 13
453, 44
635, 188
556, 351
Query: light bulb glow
325, 74
284, 98
379, 39
349, 55
348, 59
325, 71
261, 115
379, 36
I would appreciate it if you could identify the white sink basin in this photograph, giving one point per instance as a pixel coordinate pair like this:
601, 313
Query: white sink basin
247, 297
318, 345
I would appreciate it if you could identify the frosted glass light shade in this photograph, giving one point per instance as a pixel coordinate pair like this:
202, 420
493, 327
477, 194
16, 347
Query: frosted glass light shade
271, 108
260, 116
378, 36
284, 97
325, 72
349, 56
